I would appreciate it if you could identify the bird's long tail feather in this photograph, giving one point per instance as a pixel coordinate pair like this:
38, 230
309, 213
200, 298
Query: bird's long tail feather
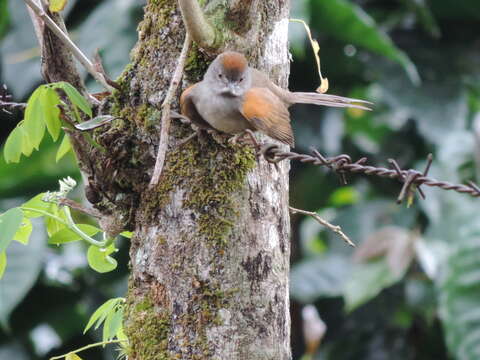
330, 100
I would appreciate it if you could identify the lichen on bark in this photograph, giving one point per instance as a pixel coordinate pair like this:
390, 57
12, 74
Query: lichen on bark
210, 253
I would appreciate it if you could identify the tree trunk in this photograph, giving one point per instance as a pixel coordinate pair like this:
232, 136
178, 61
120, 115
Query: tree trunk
210, 254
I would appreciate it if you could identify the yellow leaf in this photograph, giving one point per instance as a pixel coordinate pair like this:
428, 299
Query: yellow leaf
323, 88
57, 5
316, 50
72, 356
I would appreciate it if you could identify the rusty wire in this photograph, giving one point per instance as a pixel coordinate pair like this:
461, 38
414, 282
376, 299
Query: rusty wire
342, 164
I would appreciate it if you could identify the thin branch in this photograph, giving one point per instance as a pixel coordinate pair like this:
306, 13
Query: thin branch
166, 119
89, 346
4, 105
63, 37
5, 101
335, 228
79, 207
197, 25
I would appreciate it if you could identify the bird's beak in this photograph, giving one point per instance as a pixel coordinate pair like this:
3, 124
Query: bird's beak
232, 89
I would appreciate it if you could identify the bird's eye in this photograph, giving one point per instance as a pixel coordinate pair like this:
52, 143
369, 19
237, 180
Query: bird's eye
241, 79
220, 76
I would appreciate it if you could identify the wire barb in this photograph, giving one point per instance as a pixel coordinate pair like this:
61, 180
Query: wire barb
412, 179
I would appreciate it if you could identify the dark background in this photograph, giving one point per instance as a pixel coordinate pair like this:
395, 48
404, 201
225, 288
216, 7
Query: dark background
411, 289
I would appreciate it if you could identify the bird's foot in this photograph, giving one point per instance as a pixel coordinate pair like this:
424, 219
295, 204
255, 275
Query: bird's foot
199, 133
184, 119
187, 139
245, 137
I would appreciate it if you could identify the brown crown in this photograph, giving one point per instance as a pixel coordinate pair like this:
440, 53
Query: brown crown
233, 61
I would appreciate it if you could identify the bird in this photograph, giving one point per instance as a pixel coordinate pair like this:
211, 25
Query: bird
234, 98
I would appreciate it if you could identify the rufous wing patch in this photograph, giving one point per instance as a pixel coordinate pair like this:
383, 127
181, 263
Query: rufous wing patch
188, 108
184, 97
267, 113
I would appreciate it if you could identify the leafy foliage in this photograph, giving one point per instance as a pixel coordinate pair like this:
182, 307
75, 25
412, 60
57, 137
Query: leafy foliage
348, 22
42, 112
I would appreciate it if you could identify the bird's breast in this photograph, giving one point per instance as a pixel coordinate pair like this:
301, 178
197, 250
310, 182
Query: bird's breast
222, 112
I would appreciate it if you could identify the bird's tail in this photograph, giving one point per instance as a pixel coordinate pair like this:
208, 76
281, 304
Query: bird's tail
329, 100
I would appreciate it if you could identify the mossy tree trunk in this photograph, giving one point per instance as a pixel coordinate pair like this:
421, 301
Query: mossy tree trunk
210, 252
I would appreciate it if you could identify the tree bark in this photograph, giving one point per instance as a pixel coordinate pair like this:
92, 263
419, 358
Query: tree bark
210, 255
210, 252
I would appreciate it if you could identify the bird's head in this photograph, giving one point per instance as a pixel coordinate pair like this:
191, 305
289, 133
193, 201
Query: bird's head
229, 74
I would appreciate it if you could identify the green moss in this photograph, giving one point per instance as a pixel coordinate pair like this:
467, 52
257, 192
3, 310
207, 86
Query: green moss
147, 329
213, 176
196, 64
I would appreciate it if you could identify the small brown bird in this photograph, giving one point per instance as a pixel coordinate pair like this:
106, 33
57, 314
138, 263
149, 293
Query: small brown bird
233, 98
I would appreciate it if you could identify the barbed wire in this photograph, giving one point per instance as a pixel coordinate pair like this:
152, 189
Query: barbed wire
412, 179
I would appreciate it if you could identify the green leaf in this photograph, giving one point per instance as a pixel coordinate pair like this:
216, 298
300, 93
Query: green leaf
95, 122
459, 294
10, 222
99, 259
75, 97
50, 101
346, 195
27, 147
453, 246
112, 324
64, 148
23, 233
35, 203
24, 265
56, 5
53, 226
127, 234
34, 117
101, 313
4, 18
3, 263
116, 322
348, 22
12, 150
319, 277
66, 235
366, 281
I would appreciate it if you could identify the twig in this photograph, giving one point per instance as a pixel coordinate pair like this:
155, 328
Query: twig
6, 103
166, 120
79, 207
343, 163
98, 65
335, 228
197, 25
89, 346
67, 42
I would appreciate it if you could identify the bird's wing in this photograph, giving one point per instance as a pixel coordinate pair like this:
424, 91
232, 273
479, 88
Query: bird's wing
268, 114
188, 108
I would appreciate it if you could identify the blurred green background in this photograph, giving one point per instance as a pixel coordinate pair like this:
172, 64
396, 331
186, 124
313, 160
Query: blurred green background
411, 288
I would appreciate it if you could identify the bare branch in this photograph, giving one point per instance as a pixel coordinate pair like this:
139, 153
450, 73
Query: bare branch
6, 102
166, 119
63, 37
79, 207
335, 228
197, 25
